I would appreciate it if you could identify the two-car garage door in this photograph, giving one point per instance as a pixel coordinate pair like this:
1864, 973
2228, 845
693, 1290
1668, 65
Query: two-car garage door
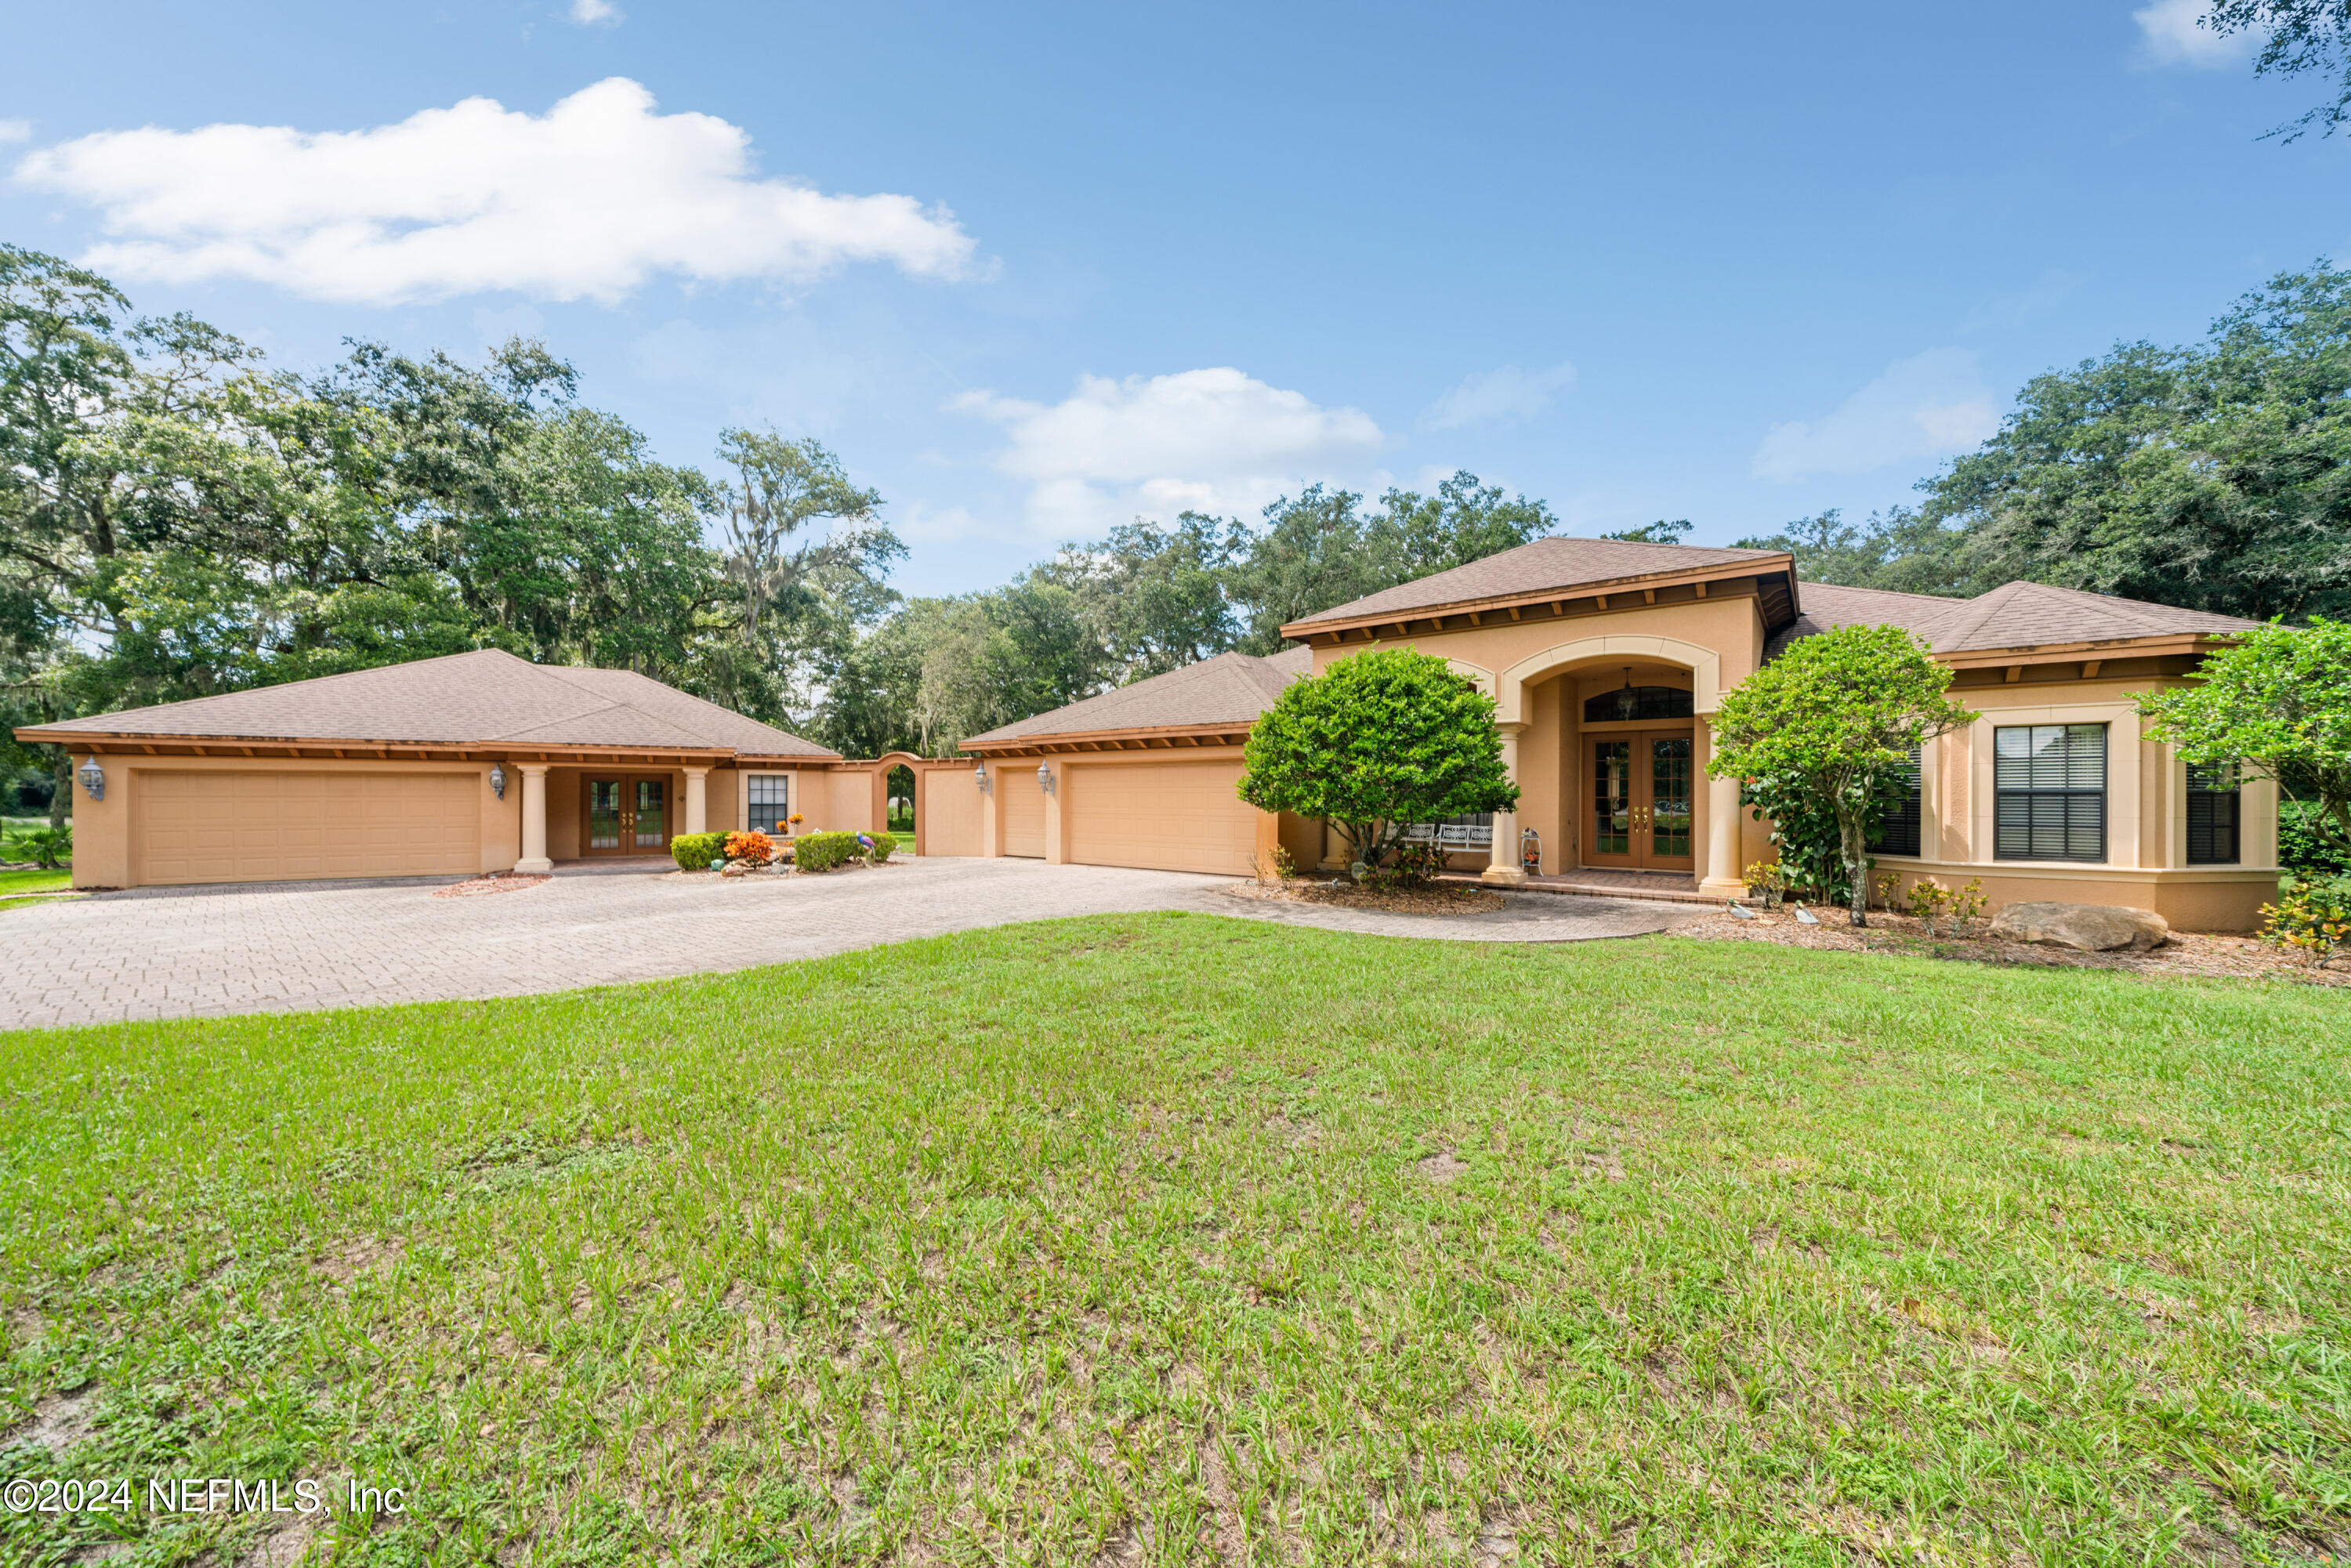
1161, 815
288, 826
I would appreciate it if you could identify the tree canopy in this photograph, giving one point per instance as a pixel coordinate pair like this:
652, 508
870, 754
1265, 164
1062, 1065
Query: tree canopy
2215, 475
1378, 742
2278, 701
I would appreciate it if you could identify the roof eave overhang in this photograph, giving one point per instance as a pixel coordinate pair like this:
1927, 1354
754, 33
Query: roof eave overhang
2101, 648
1159, 738
1565, 593
119, 742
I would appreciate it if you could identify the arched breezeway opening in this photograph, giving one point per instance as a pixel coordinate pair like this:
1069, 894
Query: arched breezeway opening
898, 800
1607, 738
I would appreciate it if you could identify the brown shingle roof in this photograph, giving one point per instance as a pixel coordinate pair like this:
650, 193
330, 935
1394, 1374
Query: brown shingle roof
484, 698
1229, 689
1545, 566
2014, 615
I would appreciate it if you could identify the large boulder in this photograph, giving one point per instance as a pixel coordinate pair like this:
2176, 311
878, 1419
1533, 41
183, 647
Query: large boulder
2089, 927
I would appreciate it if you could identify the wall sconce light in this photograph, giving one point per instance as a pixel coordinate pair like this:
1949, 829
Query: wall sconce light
498, 780
979, 776
93, 780
1045, 777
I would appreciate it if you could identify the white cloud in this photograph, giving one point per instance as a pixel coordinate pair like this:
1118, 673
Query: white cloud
596, 13
2168, 35
1925, 406
15, 130
1506, 394
588, 200
1208, 440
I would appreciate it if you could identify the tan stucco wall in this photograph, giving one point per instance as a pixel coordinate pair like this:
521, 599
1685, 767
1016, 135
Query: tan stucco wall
103, 852
951, 811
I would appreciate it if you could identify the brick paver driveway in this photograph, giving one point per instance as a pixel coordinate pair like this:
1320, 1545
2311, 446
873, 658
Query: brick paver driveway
179, 952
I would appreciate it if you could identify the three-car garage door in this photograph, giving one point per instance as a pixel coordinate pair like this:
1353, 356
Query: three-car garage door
281, 827
1163, 816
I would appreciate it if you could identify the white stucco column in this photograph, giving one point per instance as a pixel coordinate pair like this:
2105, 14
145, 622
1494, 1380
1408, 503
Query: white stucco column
697, 800
1722, 878
1505, 868
534, 819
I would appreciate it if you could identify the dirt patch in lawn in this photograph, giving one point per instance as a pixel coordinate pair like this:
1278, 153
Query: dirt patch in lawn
2188, 954
1433, 900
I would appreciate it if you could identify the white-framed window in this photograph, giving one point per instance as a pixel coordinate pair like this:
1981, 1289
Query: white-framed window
1473, 830
770, 797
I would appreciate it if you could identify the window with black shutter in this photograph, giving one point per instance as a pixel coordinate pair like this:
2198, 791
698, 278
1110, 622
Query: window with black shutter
1899, 828
2049, 792
2213, 795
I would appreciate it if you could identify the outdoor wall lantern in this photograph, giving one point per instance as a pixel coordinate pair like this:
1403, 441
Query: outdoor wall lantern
93, 780
1045, 777
979, 776
498, 780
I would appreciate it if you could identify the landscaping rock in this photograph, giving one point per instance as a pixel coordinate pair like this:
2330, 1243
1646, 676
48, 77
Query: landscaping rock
2085, 927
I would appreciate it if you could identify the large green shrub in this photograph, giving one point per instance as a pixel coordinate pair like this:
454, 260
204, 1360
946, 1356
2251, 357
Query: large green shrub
823, 852
2278, 701
695, 851
1824, 721
1379, 742
882, 846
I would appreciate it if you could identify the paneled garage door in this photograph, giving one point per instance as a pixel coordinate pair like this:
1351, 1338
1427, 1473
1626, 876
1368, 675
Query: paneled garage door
1024, 807
284, 827
1166, 816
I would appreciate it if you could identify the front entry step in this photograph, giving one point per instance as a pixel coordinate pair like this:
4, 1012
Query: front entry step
1649, 885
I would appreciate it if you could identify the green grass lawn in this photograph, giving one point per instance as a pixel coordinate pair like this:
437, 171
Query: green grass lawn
15, 883
1180, 1239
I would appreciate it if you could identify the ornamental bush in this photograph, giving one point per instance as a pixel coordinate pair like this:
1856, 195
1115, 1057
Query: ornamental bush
1826, 724
2311, 920
755, 847
1377, 743
823, 852
695, 851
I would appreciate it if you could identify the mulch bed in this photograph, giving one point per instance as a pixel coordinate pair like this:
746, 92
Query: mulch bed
2187, 955
483, 886
1433, 900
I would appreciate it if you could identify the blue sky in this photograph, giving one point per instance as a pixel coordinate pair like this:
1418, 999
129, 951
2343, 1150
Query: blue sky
1032, 271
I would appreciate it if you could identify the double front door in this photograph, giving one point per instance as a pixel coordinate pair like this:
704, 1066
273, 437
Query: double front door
627, 814
1641, 789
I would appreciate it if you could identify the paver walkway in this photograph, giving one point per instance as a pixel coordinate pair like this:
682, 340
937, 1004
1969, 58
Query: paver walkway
183, 952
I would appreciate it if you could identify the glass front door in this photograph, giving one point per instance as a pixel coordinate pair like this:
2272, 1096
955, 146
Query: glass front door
1669, 799
603, 816
651, 826
624, 815
1612, 800
1642, 792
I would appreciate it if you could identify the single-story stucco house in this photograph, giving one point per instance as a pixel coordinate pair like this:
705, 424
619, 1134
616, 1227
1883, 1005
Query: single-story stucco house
472, 763
1605, 657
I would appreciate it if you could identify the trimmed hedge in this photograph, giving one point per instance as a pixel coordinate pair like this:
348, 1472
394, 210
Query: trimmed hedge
695, 851
823, 852
884, 846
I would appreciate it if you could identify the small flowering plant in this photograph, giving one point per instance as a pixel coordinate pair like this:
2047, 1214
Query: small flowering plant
794, 821
752, 848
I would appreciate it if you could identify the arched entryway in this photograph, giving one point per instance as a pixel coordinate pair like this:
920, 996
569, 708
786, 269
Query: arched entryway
898, 800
